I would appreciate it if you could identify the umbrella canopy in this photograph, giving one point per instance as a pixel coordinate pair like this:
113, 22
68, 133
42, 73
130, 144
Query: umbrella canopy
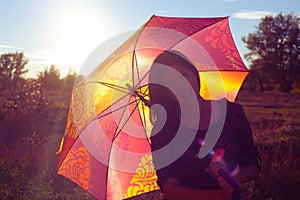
106, 146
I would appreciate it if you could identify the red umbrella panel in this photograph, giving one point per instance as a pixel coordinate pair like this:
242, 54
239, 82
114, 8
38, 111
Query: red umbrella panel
106, 145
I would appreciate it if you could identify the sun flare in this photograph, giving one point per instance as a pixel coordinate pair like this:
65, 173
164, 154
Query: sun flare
80, 31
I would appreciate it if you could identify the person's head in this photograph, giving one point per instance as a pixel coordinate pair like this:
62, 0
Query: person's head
172, 77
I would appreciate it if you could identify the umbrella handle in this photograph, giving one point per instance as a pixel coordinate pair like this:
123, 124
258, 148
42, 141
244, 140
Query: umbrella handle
146, 102
233, 183
219, 154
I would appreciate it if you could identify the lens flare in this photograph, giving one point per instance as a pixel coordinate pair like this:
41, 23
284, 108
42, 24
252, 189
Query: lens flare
201, 142
217, 154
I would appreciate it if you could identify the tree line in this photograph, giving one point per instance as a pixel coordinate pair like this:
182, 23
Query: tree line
33, 114
274, 52
23, 100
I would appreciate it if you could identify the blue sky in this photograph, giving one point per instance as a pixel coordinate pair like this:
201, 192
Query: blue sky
65, 32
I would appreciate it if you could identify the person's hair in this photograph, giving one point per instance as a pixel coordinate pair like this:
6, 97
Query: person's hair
162, 95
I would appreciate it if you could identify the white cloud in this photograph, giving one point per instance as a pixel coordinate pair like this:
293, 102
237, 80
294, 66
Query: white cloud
2, 46
161, 11
38, 55
229, 0
39, 60
256, 14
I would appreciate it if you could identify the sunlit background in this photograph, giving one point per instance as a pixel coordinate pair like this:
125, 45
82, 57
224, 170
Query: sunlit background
64, 33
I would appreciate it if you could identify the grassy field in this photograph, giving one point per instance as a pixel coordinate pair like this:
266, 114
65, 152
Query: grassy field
27, 173
274, 118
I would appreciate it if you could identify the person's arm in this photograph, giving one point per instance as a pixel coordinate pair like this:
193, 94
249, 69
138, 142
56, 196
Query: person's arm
249, 160
243, 175
246, 173
174, 191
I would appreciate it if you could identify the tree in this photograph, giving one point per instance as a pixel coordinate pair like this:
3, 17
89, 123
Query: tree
68, 81
275, 50
22, 102
11, 70
12, 67
23, 114
50, 78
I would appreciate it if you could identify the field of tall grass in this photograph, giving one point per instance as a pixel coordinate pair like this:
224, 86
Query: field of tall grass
28, 169
275, 121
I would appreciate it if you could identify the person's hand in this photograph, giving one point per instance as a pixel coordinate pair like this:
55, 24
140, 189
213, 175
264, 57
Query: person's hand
226, 188
214, 167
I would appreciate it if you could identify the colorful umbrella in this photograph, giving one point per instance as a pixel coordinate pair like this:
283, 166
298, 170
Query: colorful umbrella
106, 146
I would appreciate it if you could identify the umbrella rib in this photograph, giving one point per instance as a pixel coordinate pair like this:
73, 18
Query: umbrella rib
144, 115
135, 87
115, 136
100, 116
143, 93
118, 132
143, 101
133, 54
143, 28
227, 70
140, 80
137, 69
132, 66
131, 113
97, 117
113, 86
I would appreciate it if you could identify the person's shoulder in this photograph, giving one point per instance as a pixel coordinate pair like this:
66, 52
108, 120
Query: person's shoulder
224, 105
230, 106
234, 105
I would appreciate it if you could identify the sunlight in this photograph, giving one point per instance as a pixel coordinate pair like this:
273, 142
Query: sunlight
80, 31
78, 37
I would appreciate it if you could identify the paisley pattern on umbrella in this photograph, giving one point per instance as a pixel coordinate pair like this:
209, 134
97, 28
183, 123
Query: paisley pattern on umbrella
77, 167
144, 180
